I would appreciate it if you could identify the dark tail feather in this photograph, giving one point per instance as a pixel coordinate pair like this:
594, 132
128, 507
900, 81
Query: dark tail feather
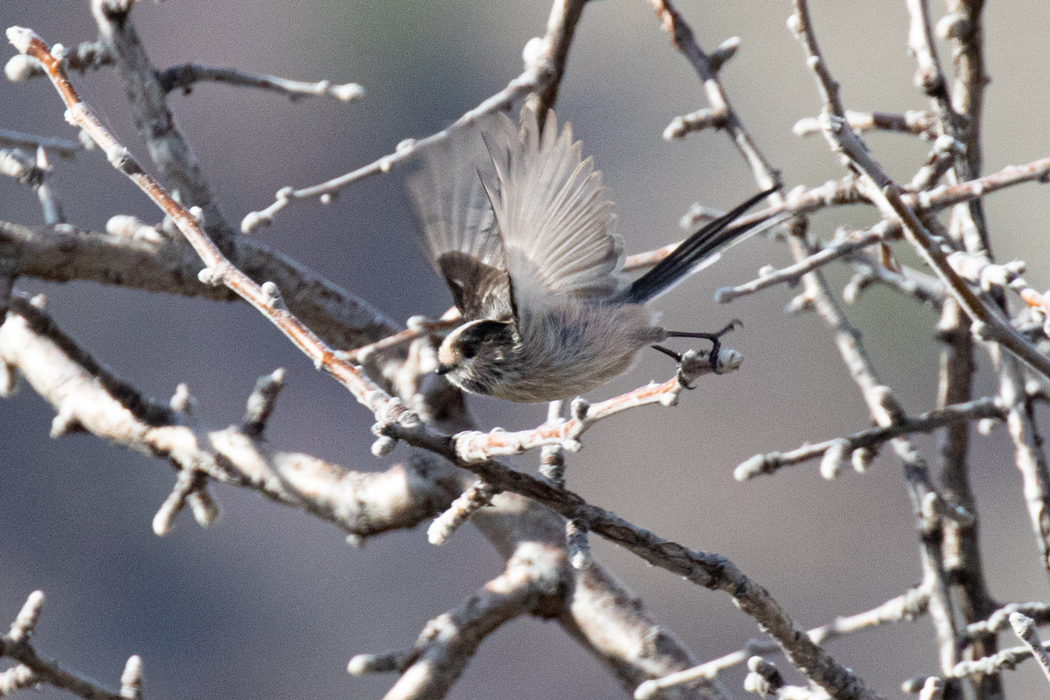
693, 251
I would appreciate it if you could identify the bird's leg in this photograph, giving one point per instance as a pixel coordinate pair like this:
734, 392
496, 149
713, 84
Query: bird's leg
669, 352
678, 358
715, 338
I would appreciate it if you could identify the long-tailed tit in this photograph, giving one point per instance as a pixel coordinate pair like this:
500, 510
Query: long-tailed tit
523, 236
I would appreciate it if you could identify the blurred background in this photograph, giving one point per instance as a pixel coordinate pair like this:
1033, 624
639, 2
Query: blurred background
269, 602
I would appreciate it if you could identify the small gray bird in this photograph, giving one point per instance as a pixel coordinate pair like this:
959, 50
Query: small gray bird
521, 230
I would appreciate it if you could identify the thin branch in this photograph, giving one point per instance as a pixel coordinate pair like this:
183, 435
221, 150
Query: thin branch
791, 275
1024, 627
34, 669
926, 289
844, 192
545, 60
169, 151
1004, 660
907, 606
466, 504
184, 76
88, 55
531, 584
477, 446
1000, 619
19, 139
1029, 456
683, 39
978, 409
911, 122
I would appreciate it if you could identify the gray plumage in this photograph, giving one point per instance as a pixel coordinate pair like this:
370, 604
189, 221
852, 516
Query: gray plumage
522, 230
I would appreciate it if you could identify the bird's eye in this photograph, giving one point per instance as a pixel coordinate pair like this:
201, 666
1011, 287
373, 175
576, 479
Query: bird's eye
469, 351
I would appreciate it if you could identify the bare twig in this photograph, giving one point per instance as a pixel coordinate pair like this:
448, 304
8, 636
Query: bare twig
469, 502
183, 78
34, 669
987, 407
18, 139
478, 446
791, 275
545, 61
1024, 627
447, 643
1000, 619
844, 192
1004, 660
682, 37
911, 122
168, 150
88, 55
908, 606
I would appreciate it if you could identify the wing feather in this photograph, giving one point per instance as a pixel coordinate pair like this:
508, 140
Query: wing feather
458, 231
553, 214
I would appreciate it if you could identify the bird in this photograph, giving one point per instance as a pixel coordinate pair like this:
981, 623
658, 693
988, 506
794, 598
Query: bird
521, 229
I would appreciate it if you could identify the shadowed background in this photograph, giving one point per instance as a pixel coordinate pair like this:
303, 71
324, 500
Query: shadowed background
270, 602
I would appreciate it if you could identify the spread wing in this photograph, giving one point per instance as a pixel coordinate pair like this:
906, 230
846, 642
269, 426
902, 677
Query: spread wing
553, 214
458, 232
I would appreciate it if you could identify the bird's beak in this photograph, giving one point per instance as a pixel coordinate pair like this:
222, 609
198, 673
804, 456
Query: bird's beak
443, 369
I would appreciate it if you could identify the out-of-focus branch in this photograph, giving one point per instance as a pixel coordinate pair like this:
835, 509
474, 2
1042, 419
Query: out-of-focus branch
169, 151
915, 123
1024, 627
684, 40
184, 76
153, 262
533, 583
34, 670
18, 139
88, 398
545, 60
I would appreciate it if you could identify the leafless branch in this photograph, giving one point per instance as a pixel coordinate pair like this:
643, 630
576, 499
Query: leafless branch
184, 76
477, 446
169, 151
911, 122
871, 438
1024, 627
544, 64
18, 139
999, 620
447, 643
35, 670
907, 606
